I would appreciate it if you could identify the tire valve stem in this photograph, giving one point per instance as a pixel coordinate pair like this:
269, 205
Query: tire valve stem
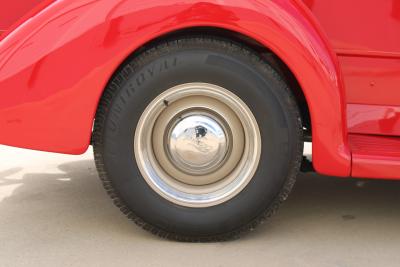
166, 103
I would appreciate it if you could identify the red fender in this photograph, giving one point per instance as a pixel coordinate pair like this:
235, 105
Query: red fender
55, 66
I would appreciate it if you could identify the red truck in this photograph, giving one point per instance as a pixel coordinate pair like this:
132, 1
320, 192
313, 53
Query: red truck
197, 111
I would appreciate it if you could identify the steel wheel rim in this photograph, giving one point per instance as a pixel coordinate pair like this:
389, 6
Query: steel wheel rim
182, 172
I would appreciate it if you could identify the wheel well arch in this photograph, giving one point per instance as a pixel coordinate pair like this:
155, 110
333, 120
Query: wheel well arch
64, 106
264, 52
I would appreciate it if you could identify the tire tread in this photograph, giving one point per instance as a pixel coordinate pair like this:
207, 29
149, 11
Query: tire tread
121, 77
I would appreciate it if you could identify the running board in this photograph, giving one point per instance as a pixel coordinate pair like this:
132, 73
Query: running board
375, 156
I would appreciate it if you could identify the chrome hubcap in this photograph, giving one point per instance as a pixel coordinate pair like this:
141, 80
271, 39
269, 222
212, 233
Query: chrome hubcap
197, 145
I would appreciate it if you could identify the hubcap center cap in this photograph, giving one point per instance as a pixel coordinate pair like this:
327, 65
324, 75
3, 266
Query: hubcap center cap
197, 144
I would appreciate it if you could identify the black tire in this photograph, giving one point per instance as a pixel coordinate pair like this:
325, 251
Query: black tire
233, 67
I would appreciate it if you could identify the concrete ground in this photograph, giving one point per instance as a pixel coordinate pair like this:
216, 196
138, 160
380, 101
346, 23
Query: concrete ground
54, 212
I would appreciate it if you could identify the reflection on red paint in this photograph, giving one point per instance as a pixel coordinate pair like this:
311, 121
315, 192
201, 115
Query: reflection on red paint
56, 60
374, 119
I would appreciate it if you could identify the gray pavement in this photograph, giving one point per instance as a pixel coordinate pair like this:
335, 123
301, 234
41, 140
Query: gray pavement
54, 212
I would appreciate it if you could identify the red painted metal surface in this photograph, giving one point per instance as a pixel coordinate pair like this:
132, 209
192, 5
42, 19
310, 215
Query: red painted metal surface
369, 55
373, 119
54, 67
372, 80
365, 36
360, 27
375, 156
12, 11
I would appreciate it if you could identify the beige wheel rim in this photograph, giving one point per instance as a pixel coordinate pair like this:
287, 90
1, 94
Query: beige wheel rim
197, 145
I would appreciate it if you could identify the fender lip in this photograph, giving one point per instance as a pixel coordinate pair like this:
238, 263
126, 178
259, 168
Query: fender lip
113, 30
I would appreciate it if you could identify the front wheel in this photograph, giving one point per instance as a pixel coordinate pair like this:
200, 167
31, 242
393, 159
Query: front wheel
197, 139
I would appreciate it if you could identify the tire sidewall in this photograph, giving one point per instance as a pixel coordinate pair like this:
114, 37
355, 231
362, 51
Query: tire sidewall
143, 78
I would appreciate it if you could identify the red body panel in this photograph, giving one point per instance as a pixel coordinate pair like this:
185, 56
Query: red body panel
374, 119
12, 11
360, 27
15, 13
366, 37
371, 80
375, 156
55, 66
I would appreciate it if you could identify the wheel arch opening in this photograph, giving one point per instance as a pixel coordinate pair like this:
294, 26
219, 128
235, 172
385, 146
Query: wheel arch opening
265, 53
